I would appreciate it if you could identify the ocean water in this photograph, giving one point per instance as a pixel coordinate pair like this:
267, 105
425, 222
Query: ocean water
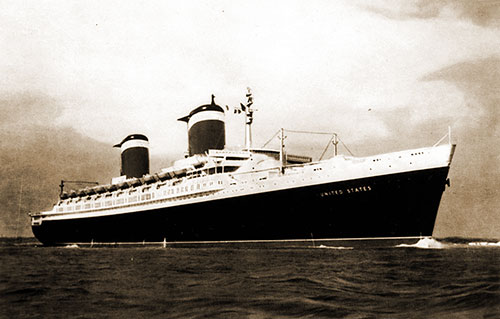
415, 278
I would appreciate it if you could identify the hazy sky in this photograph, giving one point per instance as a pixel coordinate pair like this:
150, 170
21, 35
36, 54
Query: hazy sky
383, 74
116, 67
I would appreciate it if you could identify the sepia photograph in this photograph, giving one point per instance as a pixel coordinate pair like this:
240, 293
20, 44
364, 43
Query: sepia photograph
250, 159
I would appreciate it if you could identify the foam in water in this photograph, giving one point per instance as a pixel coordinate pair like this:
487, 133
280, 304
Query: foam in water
431, 243
333, 247
483, 243
425, 243
71, 246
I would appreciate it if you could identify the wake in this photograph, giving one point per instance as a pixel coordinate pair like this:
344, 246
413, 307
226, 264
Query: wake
431, 243
333, 247
425, 243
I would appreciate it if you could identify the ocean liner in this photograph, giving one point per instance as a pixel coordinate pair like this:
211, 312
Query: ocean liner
254, 194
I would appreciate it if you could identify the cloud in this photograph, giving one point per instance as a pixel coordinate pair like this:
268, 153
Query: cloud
480, 80
473, 201
485, 13
27, 107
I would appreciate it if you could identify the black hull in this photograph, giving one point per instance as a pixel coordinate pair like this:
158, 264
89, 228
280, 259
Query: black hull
396, 205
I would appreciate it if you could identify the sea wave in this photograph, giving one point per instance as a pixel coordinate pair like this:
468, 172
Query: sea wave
373, 280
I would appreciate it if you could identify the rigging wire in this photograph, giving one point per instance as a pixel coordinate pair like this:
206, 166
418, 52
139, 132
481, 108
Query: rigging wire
310, 132
333, 136
269, 141
327, 146
346, 147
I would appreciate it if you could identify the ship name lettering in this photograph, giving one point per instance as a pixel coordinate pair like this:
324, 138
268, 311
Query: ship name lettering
365, 188
332, 192
359, 189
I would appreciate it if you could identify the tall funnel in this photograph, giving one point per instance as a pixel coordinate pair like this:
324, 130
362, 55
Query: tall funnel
134, 155
206, 128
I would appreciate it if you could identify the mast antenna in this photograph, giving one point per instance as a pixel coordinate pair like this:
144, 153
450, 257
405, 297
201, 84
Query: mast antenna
248, 109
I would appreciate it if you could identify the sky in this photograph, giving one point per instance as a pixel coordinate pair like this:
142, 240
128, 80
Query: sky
384, 75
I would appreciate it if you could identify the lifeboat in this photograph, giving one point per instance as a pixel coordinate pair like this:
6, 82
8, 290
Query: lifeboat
164, 176
123, 185
166, 173
179, 172
134, 182
100, 189
80, 193
111, 187
148, 179
89, 191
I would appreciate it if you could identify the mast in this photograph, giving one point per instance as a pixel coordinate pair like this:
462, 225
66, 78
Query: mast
282, 151
248, 119
248, 133
335, 142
